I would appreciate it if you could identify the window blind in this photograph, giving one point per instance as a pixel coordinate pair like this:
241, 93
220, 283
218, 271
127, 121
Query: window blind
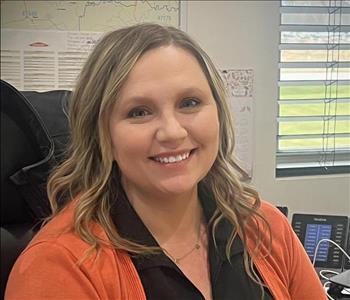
314, 88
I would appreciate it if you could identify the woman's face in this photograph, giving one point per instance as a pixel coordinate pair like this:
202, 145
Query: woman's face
164, 125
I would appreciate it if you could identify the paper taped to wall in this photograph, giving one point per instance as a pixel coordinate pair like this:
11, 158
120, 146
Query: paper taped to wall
239, 87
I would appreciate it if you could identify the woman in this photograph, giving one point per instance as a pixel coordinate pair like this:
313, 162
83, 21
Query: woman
149, 203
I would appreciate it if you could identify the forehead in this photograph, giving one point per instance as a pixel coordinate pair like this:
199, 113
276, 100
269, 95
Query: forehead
162, 55
164, 69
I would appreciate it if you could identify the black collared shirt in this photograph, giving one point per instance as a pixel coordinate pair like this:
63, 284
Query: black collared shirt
163, 280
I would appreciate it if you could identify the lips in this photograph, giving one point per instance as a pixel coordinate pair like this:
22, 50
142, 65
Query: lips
171, 158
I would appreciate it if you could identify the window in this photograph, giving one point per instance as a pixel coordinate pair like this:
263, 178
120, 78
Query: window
314, 88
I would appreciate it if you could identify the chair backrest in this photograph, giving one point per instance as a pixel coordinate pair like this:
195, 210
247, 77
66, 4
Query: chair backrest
283, 210
30, 146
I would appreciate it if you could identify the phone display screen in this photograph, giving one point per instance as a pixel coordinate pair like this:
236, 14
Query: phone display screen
315, 233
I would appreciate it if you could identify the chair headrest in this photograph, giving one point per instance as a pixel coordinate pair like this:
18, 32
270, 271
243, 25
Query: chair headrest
31, 131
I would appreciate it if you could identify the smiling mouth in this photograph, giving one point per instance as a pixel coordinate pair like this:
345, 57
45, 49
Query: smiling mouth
172, 159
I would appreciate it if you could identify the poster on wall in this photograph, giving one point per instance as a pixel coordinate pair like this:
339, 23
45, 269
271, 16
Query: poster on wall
44, 44
239, 88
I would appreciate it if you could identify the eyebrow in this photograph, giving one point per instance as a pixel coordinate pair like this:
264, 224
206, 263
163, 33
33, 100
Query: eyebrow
182, 93
194, 90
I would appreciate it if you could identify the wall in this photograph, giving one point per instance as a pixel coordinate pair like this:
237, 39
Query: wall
244, 34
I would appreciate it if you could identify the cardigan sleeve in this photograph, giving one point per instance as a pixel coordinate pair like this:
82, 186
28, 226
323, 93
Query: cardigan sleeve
303, 279
289, 260
48, 271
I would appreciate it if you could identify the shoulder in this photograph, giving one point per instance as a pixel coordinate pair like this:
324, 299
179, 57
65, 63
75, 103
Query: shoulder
58, 259
277, 235
269, 217
273, 215
58, 233
57, 243
270, 210
278, 224
272, 228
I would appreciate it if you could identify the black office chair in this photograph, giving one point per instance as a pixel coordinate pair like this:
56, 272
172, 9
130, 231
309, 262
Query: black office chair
34, 132
283, 210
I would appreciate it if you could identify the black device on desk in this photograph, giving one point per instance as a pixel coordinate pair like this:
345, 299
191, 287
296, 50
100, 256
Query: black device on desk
346, 260
339, 287
312, 228
342, 279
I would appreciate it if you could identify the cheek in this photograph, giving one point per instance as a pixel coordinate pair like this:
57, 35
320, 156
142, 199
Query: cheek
130, 151
207, 129
128, 144
213, 136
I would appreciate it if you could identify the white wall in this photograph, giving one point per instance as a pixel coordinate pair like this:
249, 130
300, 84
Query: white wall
244, 34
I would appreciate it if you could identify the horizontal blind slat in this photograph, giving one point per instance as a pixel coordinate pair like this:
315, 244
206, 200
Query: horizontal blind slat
304, 64
309, 82
312, 101
312, 118
310, 46
314, 9
314, 28
312, 136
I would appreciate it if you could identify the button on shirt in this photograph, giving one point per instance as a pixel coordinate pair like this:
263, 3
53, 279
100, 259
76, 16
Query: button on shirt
163, 280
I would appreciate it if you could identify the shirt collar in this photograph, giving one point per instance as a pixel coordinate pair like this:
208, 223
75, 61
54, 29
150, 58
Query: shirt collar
223, 229
130, 226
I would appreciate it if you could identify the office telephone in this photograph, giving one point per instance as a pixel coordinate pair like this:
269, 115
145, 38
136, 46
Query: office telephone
310, 229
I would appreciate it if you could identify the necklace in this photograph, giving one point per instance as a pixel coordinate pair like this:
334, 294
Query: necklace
177, 260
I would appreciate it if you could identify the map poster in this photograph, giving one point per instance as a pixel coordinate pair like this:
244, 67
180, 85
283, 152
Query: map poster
44, 44
239, 88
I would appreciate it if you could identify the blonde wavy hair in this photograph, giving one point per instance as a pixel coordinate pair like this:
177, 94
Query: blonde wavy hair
90, 172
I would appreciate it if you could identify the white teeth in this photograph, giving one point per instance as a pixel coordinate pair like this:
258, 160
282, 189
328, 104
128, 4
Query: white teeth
172, 159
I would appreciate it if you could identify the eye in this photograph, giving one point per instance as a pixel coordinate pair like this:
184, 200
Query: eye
138, 113
189, 103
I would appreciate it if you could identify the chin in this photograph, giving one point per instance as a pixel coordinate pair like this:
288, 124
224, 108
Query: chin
177, 188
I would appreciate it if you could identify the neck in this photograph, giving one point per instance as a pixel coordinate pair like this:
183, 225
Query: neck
169, 219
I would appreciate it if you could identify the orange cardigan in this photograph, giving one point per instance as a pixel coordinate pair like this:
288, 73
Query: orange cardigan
48, 268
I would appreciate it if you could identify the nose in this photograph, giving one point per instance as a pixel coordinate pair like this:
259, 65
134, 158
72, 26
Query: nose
171, 130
